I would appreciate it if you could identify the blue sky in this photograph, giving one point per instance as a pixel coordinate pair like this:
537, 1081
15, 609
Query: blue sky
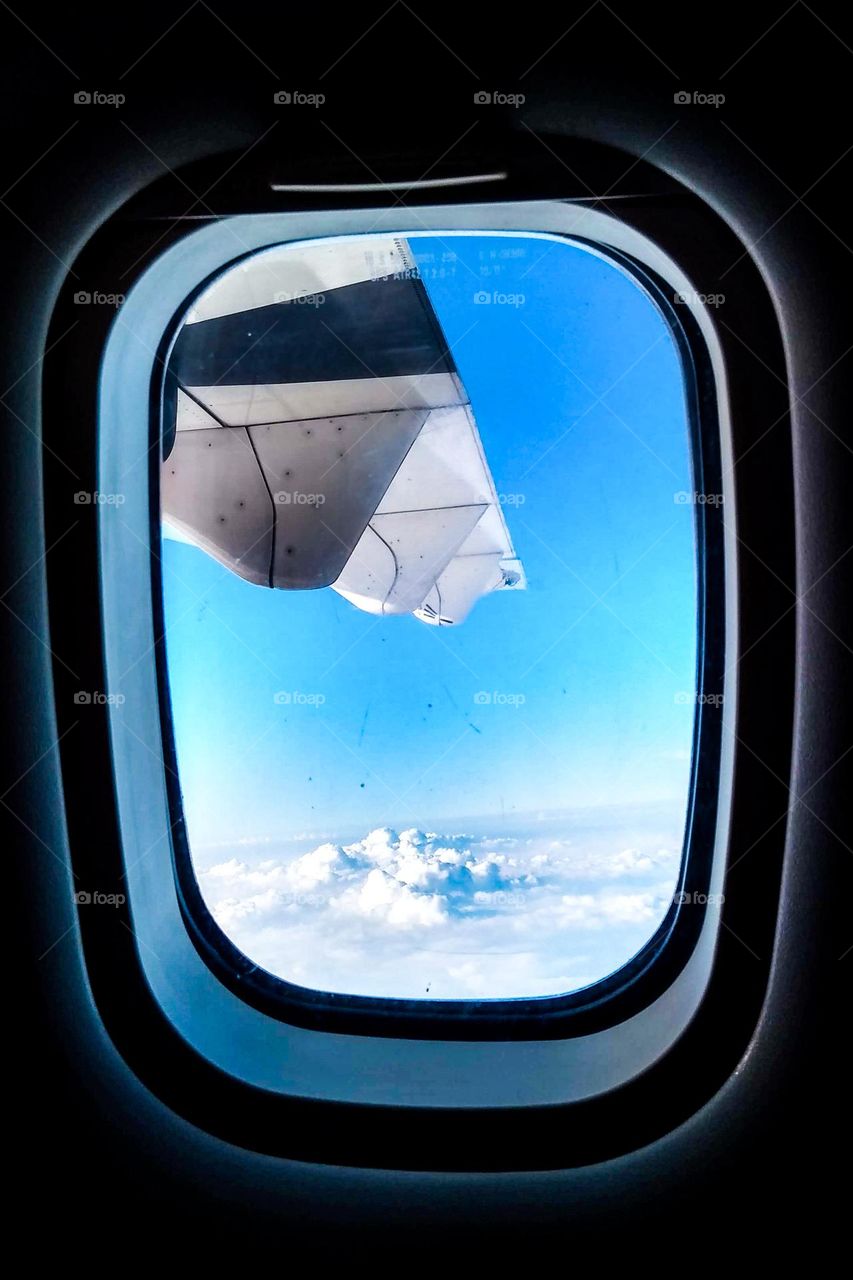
576, 388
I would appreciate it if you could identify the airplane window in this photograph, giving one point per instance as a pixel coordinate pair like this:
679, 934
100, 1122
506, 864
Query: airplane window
430, 599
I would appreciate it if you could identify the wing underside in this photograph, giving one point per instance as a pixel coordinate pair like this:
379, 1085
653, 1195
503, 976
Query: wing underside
319, 434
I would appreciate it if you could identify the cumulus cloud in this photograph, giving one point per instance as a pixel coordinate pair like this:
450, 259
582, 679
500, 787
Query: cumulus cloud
428, 915
385, 897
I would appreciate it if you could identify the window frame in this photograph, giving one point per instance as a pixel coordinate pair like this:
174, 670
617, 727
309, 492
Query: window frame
246, 1043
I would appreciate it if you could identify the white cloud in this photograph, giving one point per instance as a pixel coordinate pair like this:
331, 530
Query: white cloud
322, 866
416, 913
594, 910
382, 896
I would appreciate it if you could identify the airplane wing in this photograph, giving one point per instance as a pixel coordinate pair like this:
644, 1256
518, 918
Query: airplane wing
438, 540
318, 434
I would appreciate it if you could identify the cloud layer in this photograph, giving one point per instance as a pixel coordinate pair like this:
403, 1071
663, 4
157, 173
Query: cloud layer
422, 915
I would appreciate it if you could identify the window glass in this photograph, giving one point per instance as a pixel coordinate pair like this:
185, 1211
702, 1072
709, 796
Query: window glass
430, 606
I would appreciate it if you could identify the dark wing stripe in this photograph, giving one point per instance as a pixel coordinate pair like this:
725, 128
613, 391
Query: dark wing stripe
378, 328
